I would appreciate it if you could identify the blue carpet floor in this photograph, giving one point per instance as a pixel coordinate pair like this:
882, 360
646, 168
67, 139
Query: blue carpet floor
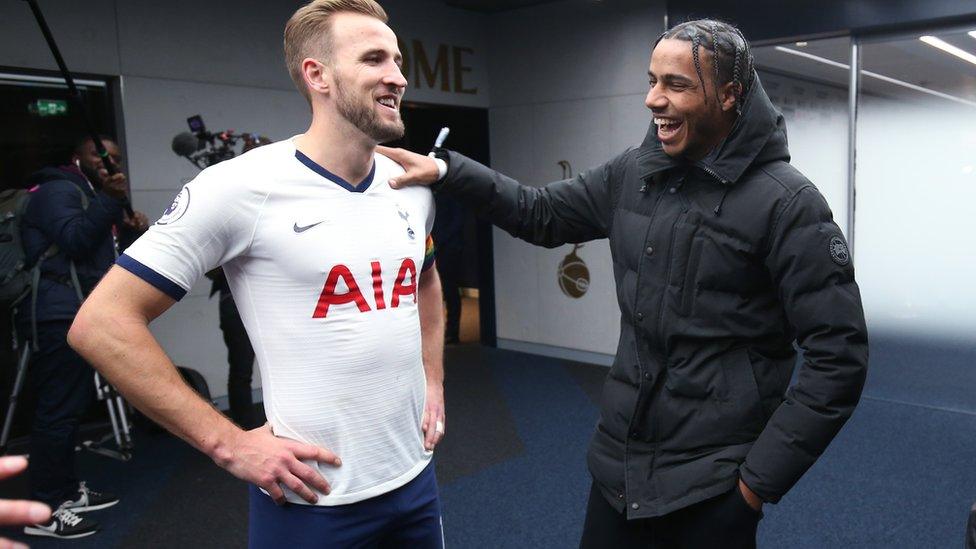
512, 470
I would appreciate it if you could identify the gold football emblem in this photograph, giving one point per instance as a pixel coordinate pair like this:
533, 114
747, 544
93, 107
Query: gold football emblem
574, 276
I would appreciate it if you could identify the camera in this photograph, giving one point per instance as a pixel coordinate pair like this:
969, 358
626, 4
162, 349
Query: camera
203, 148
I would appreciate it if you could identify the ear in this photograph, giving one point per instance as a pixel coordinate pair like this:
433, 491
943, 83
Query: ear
727, 95
316, 76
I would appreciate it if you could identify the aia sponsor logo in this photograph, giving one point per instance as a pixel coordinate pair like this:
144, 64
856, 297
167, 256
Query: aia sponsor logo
404, 287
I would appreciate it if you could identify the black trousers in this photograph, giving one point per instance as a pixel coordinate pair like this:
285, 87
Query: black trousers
240, 356
449, 269
65, 387
725, 521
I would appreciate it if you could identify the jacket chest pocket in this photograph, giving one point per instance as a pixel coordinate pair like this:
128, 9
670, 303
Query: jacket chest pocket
709, 260
729, 265
687, 244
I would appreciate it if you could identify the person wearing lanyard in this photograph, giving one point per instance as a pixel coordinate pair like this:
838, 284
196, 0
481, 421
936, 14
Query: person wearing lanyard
79, 208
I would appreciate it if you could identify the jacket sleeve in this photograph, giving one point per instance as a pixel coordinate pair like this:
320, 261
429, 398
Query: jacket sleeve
65, 222
810, 263
573, 210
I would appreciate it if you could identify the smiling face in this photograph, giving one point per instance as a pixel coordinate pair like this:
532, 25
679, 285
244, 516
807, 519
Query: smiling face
690, 121
367, 84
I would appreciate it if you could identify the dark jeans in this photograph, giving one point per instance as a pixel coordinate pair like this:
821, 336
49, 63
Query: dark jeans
725, 521
64, 385
449, 268
240, 355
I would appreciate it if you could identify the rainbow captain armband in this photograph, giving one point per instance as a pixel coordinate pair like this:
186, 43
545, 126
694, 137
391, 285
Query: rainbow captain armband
430, 252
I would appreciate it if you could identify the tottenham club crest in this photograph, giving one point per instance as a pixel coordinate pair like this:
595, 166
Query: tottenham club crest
838, 251
405, 216
176, 209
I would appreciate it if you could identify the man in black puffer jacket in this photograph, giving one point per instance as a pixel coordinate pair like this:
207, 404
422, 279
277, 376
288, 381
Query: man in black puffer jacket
723, 255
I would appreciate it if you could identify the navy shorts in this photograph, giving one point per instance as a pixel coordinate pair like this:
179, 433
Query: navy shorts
409, 516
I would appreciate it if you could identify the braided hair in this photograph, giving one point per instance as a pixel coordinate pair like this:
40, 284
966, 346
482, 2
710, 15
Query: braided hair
731, 56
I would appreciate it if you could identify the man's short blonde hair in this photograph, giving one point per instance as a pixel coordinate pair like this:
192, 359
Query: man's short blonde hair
309, 33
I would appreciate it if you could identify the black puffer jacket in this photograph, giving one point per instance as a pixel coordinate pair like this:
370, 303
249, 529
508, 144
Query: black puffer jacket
57, 214
720, 266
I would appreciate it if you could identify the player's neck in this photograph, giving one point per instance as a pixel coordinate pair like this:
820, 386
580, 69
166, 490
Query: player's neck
343, 151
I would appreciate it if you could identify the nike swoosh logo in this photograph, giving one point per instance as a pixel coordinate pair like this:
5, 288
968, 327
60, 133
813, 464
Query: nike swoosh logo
306, 227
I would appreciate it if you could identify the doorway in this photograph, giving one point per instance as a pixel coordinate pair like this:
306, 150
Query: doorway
41, 126
464, 242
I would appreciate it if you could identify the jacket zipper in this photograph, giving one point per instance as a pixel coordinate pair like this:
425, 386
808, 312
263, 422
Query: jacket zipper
717, 177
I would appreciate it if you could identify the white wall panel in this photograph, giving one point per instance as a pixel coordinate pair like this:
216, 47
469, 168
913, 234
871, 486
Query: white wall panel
517, 311
512, 146
228, 41
916, 183
572, 50
84, 32
629, 121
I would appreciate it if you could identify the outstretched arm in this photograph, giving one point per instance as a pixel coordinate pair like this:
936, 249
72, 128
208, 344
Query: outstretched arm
572, 210
111, 331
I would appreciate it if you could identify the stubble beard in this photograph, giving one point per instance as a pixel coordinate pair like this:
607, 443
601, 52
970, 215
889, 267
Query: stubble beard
365, 118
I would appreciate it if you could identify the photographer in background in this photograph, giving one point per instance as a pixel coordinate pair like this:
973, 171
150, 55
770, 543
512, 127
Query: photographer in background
73, 227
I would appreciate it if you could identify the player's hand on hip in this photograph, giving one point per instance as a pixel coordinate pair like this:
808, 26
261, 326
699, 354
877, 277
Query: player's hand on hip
435, 420
419, 169
261, 458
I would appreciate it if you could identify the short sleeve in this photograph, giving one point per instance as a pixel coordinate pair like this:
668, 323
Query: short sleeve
209, 223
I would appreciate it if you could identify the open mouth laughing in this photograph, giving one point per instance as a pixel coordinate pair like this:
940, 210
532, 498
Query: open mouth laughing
667, 128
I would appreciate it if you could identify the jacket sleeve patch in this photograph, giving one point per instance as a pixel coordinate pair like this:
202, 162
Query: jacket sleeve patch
838, 251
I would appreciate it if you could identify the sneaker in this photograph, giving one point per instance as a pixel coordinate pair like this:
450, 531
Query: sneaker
64, 525
89, 500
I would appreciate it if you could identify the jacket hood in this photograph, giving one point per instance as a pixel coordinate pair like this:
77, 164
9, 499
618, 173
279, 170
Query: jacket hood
59, 173
757, 137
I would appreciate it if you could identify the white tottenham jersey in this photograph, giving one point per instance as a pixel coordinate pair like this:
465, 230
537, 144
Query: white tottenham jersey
325, 276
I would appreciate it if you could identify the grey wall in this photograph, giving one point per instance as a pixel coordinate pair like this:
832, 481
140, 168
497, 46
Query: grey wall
568, 83
221, 59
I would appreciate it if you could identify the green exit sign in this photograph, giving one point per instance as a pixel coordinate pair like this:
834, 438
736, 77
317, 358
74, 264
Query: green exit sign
49, 107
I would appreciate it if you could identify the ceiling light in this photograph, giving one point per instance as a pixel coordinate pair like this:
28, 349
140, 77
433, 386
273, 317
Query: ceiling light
949, 48
801, 44
972, 33
876, 76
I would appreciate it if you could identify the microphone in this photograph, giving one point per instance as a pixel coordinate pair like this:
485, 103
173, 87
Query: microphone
185, 144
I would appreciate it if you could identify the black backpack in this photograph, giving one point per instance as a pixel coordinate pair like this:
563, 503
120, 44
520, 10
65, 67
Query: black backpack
15, 276
17, 279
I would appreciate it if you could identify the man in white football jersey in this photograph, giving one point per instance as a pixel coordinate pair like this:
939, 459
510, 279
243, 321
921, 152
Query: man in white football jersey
330, 268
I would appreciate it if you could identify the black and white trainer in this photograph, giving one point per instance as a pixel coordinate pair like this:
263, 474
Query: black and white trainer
63, 525
90, 500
